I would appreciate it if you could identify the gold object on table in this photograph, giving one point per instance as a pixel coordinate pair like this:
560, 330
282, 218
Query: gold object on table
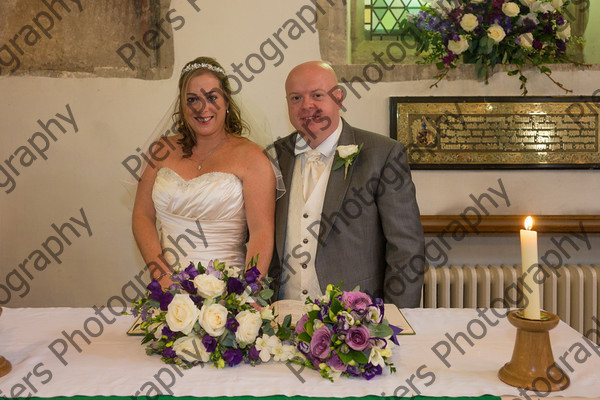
5, 366
498, 132
532, 366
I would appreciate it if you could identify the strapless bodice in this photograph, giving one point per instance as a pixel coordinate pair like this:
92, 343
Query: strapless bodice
202, 218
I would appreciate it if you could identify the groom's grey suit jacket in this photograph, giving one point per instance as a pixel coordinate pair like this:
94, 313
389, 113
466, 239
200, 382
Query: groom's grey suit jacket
370, 232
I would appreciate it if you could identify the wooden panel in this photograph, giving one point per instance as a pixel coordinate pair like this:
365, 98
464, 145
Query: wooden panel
512, 223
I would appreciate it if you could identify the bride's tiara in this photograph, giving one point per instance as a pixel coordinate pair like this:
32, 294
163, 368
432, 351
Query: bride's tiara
194, 66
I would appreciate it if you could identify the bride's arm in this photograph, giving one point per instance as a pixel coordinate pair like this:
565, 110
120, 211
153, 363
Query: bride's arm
259, 200
144, 228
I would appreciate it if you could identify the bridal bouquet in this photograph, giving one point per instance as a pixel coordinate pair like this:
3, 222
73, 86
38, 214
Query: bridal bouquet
345, 333
207, 315
491, 32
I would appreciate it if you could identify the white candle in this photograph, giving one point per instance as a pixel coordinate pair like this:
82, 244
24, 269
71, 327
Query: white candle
529, 269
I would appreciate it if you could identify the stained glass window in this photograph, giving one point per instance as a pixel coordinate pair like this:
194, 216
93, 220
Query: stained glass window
383, 17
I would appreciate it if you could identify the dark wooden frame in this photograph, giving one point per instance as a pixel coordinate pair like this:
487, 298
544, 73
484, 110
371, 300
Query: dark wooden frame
590, 101
514, 223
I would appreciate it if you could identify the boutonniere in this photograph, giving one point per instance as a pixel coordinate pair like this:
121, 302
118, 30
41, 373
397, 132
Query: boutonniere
345, 155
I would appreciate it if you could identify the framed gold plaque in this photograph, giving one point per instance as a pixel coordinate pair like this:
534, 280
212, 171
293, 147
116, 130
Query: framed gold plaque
497, 132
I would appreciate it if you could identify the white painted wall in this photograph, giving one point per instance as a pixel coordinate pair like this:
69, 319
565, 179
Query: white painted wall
114, 116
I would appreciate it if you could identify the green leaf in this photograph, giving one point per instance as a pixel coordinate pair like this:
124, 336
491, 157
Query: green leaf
346, 358
261, 301
512, 73
358, 356
339, 163
305, 337
287, 321
381, 330
336, 306
266, 293
308, 327
545, 70
523, 78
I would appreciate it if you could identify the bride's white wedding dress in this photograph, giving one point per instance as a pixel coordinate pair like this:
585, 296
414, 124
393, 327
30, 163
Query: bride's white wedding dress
201, 219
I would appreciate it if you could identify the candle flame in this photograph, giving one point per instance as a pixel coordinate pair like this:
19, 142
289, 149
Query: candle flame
528, 223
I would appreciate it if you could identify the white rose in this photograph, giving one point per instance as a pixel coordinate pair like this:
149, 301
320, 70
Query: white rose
190, 348
182, 314
250, 323
469, 22
511, 9
460, 46
496, 32
526, 40
347, 151
564, 31
557, 4
213, 319
209, 286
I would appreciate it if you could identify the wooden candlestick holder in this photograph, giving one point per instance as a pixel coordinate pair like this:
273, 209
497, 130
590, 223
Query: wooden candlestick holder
532, 366
5, 366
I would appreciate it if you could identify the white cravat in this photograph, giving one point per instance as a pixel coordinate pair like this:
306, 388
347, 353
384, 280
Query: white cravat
312, 171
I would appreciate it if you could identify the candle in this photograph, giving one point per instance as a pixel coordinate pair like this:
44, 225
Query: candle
529, 269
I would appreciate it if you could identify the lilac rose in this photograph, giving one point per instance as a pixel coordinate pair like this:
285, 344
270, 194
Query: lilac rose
300, 324
336, 363
358, 337
356, 300
319, 344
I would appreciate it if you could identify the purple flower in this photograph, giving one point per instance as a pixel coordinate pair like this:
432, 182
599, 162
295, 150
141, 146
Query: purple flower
358, 337
548, 29
303, 347
189, 287
253, 353
537, 44
210, 270
232, 324
561, 45
300, 324
372, 371
192, 271
353, 370
447, 60
336, 363
319, 344
198, 301
165, 300
168, 352
356, 300
234, 286
251, 275
167, 332
232, 357
210, 343
497, 3
560, 20
155, 290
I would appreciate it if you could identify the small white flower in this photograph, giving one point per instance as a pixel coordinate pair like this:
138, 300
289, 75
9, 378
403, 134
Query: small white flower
347, 150
564, 31
265, 346
245, 296
545, 8
469, 22
557, 4
267, 313
459, 46
531, 16
375, 357
317, 324
496, 33
511, 9
232, 271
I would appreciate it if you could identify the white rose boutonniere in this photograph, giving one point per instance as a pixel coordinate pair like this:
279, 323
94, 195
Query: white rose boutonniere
345, 155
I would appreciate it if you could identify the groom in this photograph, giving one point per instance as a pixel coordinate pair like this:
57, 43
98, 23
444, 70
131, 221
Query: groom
352, 219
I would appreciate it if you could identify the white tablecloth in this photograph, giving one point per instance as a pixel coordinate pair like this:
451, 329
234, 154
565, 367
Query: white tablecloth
116, 364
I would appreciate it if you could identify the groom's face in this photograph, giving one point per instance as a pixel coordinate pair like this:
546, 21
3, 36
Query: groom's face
313, 102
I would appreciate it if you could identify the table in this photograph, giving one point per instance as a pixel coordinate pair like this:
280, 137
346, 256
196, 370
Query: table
455, 352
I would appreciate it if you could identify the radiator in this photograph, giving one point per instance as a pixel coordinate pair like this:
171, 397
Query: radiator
570, 291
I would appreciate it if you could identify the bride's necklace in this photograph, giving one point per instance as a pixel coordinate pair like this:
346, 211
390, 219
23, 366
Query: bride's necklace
210, 152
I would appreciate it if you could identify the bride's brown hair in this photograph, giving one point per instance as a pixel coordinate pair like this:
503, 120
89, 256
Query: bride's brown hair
233, 120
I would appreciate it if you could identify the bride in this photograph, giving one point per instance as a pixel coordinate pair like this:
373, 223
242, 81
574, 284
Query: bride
212, 191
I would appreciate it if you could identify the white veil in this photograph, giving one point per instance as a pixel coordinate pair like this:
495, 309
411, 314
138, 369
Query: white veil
259, 132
